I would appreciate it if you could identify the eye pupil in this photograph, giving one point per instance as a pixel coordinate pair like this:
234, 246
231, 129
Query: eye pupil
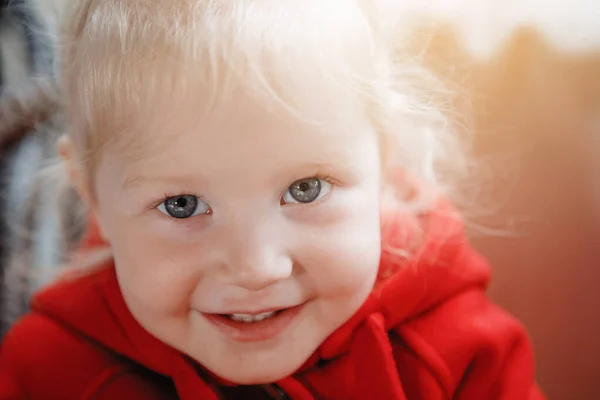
181, 202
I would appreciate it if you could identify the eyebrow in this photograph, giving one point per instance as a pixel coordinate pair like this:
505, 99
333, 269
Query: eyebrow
137, 181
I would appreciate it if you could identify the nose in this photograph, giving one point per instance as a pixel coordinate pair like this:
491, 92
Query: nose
256, 260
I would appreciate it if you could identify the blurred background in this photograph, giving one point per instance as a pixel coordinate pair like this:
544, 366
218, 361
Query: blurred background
527, 75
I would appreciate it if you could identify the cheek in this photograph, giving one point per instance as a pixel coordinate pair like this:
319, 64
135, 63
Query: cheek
341, 255
345, 257
155, 273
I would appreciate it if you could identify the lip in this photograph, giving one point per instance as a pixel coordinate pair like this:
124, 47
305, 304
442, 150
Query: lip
256, 331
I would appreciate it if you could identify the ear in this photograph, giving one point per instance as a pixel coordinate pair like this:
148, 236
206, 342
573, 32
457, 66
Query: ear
77, 177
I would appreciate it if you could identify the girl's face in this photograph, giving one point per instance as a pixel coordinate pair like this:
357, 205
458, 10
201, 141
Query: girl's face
243, 239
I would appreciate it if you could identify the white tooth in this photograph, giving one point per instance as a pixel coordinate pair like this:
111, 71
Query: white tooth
247, 318
251, 318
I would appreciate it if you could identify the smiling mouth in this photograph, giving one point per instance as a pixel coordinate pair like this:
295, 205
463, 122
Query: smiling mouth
254, 327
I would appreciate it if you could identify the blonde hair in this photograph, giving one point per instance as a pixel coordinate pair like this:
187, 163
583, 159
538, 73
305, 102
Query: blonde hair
116, 55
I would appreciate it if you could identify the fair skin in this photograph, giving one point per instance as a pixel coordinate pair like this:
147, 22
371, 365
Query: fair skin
254, 242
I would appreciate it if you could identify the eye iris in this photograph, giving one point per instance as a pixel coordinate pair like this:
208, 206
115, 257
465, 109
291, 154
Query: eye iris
181, 206
306, 190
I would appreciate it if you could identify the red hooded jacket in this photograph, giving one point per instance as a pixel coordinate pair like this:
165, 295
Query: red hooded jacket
426, 332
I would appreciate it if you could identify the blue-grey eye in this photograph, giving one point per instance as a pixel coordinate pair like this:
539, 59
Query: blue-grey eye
306, 190
183, 206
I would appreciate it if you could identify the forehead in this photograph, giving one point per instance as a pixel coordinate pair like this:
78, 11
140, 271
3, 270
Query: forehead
327, 125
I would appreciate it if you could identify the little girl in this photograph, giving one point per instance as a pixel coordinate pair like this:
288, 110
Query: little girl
250, 166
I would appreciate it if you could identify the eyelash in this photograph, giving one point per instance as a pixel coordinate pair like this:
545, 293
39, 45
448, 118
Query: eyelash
327, 178
168, 195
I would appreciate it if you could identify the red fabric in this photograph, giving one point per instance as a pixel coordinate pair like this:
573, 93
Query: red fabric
427, 331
